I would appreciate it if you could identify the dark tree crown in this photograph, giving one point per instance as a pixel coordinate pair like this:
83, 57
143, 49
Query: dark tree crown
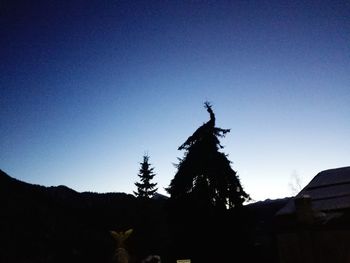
204, 173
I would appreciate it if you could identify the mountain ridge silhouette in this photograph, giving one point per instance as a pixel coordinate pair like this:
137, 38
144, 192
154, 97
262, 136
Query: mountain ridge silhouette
59, 224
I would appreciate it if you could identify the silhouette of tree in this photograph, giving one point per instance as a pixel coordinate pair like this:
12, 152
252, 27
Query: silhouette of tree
204, 173
145, 189
295, 184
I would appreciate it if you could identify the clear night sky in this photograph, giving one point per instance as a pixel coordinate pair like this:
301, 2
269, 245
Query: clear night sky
87, 87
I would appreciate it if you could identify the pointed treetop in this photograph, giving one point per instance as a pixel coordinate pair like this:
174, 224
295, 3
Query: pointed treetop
208, 106
207, 129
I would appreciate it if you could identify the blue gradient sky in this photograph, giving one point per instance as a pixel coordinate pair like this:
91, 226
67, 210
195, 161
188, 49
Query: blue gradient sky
87, 87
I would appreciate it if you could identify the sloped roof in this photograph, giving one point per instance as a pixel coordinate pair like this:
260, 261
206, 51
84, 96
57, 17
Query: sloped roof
328, 190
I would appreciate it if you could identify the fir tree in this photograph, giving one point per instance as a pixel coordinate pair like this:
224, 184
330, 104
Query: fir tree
205, 174
145, 189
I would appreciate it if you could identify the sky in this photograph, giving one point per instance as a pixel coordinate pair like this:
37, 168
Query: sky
88, 87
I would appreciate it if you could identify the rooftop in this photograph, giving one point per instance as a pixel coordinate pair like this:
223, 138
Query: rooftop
329, 190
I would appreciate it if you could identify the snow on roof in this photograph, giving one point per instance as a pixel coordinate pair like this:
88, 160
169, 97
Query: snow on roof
328, 190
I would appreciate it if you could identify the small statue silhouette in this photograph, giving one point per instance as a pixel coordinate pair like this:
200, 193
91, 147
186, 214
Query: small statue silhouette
121, 254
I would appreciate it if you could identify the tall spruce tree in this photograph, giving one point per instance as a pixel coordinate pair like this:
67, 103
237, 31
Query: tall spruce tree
145, 189
204, 173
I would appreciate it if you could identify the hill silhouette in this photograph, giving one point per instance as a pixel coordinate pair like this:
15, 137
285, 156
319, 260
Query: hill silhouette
58, 224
